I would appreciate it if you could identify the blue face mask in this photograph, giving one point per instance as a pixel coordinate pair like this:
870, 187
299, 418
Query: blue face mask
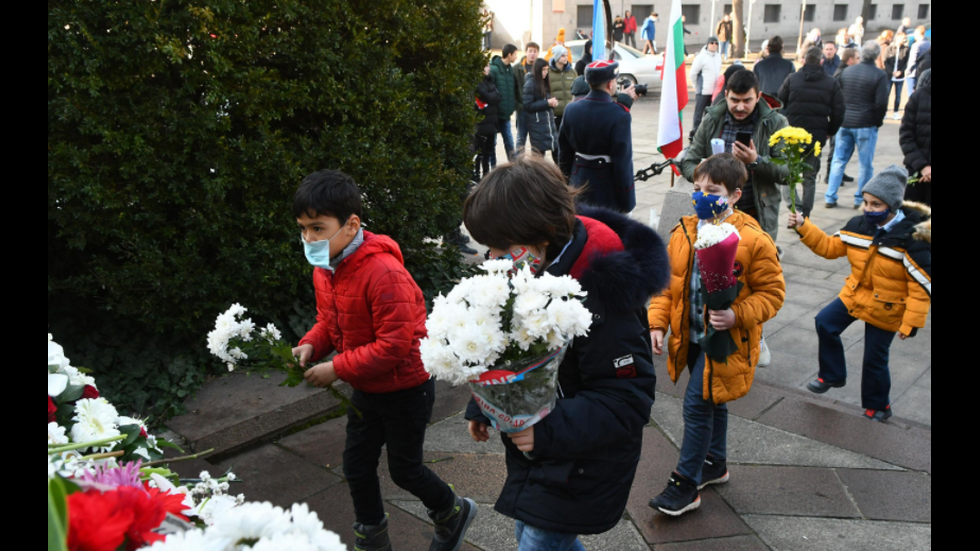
318, 254
709, 207
878, 218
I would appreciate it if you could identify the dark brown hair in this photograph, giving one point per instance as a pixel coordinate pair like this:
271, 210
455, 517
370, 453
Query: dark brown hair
776, 45
849, 54
530, 45
526, 202
543, 84
723, 169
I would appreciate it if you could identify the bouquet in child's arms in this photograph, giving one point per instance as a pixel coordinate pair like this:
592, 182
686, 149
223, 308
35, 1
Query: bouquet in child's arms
505, 335
797, 146
717, 247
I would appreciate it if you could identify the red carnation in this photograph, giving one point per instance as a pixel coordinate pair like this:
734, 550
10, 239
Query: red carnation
89, 393
52, 410
143, 432
96, 522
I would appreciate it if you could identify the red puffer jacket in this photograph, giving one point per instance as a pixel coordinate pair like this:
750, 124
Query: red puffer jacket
373, 314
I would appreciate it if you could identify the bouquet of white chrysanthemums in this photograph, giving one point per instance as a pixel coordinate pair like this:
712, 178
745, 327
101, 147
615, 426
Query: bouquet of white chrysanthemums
238, 342
506, 336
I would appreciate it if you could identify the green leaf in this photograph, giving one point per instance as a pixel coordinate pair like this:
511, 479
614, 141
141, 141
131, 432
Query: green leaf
132, 433
57, 516
166, 444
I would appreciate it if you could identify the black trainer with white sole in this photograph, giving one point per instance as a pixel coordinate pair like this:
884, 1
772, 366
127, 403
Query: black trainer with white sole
715, 471
681, 496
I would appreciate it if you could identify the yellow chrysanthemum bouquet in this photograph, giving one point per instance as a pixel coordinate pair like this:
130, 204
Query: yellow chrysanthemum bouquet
797, 146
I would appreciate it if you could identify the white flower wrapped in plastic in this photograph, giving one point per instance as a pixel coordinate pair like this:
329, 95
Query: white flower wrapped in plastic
505, 335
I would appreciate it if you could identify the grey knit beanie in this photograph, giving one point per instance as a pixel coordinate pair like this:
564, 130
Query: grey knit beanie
889, 186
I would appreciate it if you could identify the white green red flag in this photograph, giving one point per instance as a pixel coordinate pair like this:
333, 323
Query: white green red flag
673, 95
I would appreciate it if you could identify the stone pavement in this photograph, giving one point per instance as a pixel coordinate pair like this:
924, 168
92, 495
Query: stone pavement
808, 473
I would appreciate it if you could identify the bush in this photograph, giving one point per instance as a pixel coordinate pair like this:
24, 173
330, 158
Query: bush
177, 135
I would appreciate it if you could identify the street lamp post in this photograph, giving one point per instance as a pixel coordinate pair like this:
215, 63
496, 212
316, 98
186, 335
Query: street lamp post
799, 41
712, 22
748, 32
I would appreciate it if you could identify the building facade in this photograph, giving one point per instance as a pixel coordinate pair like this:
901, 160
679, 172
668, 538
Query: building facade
521, 21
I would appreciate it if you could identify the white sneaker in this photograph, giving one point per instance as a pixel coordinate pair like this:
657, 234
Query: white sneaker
765, 356
896, 116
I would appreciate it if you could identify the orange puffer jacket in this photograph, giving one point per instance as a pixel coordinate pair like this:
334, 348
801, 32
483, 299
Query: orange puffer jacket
373, 314
890, 285
758, 267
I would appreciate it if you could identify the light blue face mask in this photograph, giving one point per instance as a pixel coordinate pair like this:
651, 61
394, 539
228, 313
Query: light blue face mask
318, 254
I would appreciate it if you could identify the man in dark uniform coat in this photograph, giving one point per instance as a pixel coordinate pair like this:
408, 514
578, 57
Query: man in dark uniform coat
596, 142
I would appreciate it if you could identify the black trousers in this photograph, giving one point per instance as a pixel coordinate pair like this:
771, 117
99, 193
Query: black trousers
703, 102
398, 419
483, 145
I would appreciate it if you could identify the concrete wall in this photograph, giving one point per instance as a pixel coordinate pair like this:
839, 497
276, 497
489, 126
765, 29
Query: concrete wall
514, 18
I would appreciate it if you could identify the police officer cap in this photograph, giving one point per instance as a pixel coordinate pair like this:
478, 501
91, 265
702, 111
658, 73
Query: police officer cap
600, 72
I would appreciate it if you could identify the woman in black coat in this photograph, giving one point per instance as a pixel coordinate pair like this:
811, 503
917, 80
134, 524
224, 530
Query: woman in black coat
915, 136
487, 100
896, 62
571, 473
539, 108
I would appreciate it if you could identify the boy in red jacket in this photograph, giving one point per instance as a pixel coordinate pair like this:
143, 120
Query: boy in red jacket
371, 312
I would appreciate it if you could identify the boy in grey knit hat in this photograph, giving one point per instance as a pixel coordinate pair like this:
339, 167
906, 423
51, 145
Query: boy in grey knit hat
890, 286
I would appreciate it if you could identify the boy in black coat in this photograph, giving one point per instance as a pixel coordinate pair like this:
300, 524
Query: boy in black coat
571, 473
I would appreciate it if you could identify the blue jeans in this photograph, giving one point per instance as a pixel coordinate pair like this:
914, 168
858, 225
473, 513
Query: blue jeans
909, 86
865, 140
521, 129
876, 381
530, 538
723, 48
705, 424
505, 130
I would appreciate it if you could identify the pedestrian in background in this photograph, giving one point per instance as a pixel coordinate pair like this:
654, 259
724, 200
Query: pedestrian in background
487, 101
561, 78
630, 29
849, 58
866, 96
773, 70
856, 31
719, 94
831, 61
896, 62
884, 40
890, 286
812, 40
919, 48
905, 27
705, 71
916, 139
521, 70
511, 93
539, 106
649, 34
724, 34
581, 64
559, 41
619, 29
812, 100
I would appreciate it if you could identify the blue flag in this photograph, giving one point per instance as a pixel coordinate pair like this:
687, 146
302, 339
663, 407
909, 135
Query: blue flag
598, 31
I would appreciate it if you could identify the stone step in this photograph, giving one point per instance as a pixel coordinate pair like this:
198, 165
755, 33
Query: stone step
239, 411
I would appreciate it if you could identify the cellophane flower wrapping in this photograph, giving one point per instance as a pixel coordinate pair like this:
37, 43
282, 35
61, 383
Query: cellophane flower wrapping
717, 247
505, 334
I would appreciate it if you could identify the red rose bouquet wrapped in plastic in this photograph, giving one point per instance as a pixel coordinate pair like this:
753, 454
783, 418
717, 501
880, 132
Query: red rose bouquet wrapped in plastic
716, 248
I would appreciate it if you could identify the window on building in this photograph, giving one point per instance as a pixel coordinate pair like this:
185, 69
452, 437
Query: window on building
692, 12
641, 12
898, 12
584, 17
840, 12
773, 11
873, 12
811, 13
923, 11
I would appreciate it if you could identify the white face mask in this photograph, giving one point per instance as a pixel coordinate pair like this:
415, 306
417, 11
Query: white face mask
318, 254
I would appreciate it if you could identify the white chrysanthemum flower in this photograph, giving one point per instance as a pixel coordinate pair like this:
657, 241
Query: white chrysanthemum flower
94, 420
712, 234
497, 266
245, 330
57, 383
568, 318
56, 435
305, 522
251, 521
237, 354
236, 310
285, 542
564, 286
77, 378
469, 344
538, 324
193, 540
524, 281
271, 333
461, 292
527, 303
523, 339
438, 360
445, 315
56, 355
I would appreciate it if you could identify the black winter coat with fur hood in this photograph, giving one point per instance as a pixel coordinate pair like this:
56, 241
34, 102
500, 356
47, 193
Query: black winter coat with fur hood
586, 451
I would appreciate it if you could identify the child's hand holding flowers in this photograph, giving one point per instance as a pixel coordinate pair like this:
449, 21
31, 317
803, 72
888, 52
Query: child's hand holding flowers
321, 376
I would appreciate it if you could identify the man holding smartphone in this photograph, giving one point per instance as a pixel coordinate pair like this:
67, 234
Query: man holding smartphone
746, 122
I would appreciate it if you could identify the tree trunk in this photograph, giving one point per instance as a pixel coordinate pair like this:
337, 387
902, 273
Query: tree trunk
866, 14
738, 30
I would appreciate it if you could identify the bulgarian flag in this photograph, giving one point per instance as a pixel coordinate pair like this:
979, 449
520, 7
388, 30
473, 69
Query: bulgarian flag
673, 95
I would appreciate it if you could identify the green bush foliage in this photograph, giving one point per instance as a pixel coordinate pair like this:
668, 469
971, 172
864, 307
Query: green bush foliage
178, 132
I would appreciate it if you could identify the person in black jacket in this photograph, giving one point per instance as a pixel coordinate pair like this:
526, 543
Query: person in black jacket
916, 139
571, 473
812, 100
896, 61
773, 70
581, 64
866, 97
539, 106
487, 100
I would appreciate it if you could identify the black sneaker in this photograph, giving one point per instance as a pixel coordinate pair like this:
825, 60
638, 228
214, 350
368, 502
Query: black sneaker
881, 415
847, 178
466, 249
451, 526
372, 538
714, 472
820, 386
681, 496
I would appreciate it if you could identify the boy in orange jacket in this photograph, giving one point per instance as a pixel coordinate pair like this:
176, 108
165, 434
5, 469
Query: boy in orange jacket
890, 286
718, 184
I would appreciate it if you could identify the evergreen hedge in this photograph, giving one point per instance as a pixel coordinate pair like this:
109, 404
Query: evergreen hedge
177, 134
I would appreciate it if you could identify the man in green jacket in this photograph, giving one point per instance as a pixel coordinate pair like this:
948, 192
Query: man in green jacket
561, 76
501, 68
521, 70
744, 112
